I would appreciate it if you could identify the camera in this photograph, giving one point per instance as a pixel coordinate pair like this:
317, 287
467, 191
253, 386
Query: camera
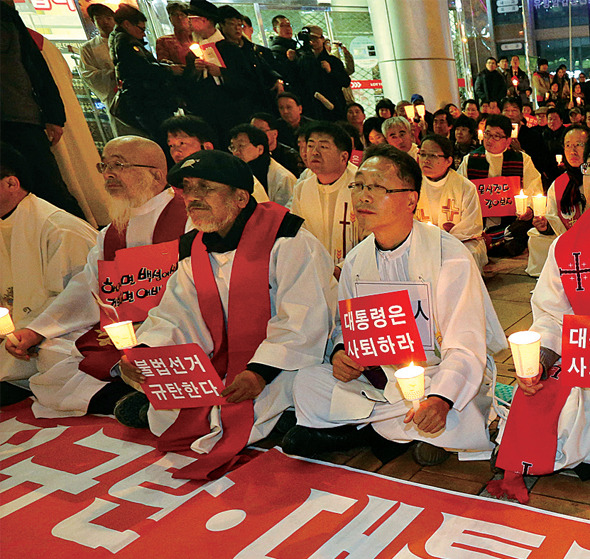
304, 39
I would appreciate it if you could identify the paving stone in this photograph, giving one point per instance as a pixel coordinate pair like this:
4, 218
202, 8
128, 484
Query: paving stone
563, 487
447, 482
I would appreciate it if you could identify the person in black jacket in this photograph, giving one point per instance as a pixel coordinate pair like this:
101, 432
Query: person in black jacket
148, 89
321, 79
32, 111
489, 84
284, 49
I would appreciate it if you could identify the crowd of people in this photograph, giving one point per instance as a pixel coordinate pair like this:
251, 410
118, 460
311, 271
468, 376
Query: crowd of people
285, 196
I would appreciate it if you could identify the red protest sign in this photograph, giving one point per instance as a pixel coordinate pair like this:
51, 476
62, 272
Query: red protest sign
356, 157
575, 350
178, 376
381, 329
133, 283
496, 195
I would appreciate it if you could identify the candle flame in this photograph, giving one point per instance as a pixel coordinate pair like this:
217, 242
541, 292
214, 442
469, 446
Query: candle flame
196, 50
521, 192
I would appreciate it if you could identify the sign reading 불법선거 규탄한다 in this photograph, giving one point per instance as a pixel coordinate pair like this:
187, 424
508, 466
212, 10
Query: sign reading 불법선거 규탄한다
496, 195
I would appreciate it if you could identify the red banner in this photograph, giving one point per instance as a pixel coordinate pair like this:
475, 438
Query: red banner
496, 195
134, 282
356, 157
366, 84
179, 376
89, 488
575, 350
381, 329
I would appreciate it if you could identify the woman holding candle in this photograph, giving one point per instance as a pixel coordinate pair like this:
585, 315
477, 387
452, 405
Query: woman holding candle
448, 199
566, 201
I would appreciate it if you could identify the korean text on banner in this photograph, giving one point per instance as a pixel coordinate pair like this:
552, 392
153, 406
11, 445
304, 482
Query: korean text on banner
496, 195
134, 282
381, 330
179, 376
575, 351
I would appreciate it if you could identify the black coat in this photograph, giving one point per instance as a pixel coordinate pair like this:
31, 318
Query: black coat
489, 86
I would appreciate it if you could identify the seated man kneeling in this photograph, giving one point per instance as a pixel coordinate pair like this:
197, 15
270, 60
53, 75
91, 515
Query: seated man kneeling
401, 249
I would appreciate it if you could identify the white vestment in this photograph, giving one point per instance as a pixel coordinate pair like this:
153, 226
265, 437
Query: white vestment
414, 151
302, 300
470, 333
97, 68
64, 390
259, 193
328, 212
550, 304
41, 249
280, 183
538, 243
452, 204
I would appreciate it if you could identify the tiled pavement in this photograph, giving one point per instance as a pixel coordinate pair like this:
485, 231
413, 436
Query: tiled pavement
509, 287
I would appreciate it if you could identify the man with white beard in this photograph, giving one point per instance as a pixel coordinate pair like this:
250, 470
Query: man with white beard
143, 212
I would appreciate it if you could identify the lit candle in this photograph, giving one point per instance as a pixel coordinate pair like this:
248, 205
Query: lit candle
122, 334
411, 383
480, 135
539, 205
410, 111
521, 201
7, 326
578, 100
526, 347
514, 130
514, 81
547, 95
559, 158
196, 50
421, 109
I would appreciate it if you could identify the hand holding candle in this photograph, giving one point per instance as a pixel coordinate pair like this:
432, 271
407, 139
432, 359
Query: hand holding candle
521, 201
480, 135
411, 383
7, 326
122, 334
196, 50
539, 205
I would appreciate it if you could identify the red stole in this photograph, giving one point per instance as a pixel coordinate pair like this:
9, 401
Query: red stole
247, 319
560, 184
99, 353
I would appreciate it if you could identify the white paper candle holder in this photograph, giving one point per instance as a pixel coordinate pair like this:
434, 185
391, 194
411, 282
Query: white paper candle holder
514, 130
521, 202
539, 205
559, 158
7, 326
410, 111
526, 349
411, 383
122, 334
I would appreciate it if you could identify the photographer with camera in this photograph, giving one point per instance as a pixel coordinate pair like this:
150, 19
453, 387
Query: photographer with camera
321, 77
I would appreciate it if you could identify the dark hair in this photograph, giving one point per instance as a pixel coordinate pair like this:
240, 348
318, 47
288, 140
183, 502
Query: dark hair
500, 121
289, 95
470, 102
448, 106
174, 7
125, 12
95, 10
192, 126
466, 122
407, 168
541, 62
449, 118
385, 104
554, 111
443, 143
353, 133
349, 105
337, 133
256, 136
370, 124
14, 164
491, 58
247, 20
502, 58
277, 19
266, 117
512, 101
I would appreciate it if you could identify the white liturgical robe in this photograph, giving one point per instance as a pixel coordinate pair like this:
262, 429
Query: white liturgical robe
41, 249
452, 204
280, 183
328, 212
64, 390
464, 319
302, 300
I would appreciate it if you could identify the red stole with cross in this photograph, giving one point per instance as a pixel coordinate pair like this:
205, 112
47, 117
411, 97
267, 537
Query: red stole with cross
247, 319
99, 353
522, 449
561, 183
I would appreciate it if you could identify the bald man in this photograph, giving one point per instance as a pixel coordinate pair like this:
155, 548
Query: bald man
144, 210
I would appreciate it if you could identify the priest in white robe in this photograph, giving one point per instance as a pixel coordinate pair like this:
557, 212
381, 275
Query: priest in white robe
134, 173
41, 248
331, 398
323, 199
297, 282
449, 200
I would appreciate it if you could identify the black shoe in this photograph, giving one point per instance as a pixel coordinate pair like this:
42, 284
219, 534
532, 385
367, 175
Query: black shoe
429, 455
131, 410
583, 471
308, 442
286, 422
384, 449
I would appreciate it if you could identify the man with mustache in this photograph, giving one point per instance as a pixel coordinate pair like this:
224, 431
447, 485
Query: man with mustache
143, 211
256, 292
400, 249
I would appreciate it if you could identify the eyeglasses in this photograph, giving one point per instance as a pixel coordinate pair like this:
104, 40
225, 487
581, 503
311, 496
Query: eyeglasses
237, 147
117, 166
580, 145
376, 189
435, 156
490, 136
585, 168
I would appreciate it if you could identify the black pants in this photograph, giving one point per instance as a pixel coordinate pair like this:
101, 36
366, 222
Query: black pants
48, 184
